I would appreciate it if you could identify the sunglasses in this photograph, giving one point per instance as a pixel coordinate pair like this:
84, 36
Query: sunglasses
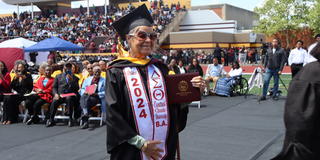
144, 35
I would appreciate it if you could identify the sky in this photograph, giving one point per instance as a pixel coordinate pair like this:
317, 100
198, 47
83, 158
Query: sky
246, 4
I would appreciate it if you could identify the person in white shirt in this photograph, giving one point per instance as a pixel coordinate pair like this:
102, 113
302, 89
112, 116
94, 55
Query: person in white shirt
309, 57
297, 57
181, 67
235, 71
213, 73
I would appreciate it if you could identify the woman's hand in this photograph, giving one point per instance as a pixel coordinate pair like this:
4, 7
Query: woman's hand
56, 97
39, 90
198, 82
151, 150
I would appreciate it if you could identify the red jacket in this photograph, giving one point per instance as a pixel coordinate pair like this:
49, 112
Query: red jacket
5, 83
47, 95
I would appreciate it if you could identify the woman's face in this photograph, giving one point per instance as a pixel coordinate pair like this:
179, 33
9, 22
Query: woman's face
48, 71
235, 66
180, 63
20, 68
73, 69
142, 41
41, 70
194, 62
173, 62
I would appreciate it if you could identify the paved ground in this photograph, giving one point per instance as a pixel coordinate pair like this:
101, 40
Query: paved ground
223, 129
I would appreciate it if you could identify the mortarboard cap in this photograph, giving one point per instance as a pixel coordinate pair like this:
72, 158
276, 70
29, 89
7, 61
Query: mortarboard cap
138, 17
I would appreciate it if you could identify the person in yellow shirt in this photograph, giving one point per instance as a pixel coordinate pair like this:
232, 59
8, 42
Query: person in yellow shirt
75, 71
58, 67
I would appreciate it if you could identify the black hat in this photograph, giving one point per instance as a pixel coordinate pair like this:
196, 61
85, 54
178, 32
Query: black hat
68, 64
318, 35
138, 17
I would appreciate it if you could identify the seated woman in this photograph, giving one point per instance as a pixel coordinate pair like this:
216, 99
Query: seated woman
195, 67
181, 67
224, 85
41, 72
235, 71
43, 88
173, 68
22, 83
4, 80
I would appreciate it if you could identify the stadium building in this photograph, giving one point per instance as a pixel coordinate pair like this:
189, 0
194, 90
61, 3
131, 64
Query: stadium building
205, 26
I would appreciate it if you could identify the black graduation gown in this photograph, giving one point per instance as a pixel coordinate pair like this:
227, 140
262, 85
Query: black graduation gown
120, 120
302, 116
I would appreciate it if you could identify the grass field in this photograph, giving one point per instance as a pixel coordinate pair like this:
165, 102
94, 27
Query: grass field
285, 78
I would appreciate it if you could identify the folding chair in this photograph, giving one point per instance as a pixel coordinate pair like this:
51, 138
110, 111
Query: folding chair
1, 111
62, 110
24, 113
196, 103
98, 118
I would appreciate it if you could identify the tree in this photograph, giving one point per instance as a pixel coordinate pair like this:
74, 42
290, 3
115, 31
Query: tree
314, 20
282, 16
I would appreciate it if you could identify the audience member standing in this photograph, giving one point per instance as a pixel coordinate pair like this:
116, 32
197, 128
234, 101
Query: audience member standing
273, 67
296, 58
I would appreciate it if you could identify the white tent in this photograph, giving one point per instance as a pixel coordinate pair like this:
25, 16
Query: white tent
17, 43
22, 43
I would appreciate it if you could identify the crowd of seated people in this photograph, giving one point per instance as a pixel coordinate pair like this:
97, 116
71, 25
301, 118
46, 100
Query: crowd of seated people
67, 86
54, 80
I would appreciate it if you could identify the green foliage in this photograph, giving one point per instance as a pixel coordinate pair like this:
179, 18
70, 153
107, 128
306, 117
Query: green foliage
283, 16
314, 17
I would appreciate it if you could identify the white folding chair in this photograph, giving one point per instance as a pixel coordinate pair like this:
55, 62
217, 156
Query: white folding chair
1, 111
196, 103
99, 118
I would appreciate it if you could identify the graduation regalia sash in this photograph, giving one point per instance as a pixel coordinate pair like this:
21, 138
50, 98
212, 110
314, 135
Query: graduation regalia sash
151, 113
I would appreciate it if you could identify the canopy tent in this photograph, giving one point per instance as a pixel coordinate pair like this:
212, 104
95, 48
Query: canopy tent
53, 44
12, 50
17, 43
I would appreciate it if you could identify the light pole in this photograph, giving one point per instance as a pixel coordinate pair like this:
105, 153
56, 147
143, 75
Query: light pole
31, 10
18, 11
106, 3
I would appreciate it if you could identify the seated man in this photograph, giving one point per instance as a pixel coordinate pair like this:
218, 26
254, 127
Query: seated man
89, 100
64, 83
214, 72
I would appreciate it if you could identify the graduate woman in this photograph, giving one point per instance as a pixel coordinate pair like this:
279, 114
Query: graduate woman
141, 125
302, 114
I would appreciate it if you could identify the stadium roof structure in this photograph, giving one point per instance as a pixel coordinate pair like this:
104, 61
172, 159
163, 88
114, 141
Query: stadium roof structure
28, 2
